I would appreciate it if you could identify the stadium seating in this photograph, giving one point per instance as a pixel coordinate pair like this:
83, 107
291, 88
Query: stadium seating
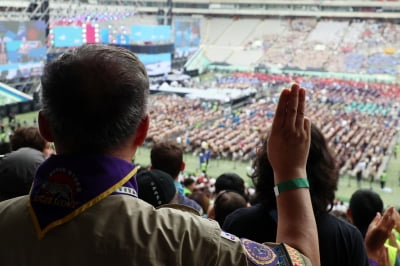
214, 30
218, 54
328, 32
245, 57
236, 34
363, 47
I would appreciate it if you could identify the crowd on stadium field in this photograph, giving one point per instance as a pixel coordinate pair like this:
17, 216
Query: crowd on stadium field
359, 119
171, 115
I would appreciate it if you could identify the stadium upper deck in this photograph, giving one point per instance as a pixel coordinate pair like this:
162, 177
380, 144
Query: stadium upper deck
299, 8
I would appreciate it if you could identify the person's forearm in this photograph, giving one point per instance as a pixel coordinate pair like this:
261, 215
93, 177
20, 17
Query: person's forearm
288, 146
296, 224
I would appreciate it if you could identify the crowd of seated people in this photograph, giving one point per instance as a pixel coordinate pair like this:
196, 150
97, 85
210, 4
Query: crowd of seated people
360, 123
238, 81
236, 135
359, 119
171, 114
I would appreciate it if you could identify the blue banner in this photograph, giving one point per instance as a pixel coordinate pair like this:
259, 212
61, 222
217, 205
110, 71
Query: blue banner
67, 36
145, 33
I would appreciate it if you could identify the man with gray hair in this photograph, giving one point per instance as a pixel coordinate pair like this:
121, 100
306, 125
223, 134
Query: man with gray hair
83, 207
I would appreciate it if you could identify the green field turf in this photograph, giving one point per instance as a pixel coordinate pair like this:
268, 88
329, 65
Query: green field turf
346, 185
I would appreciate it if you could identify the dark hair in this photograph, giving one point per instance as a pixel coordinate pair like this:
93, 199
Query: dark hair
322, 173
168, 157
201, 198
94, 97
229, 181
188, 181
364, 204
27, 137
225, 203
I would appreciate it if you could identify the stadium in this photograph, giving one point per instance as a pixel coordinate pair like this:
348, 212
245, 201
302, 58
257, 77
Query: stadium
217, 68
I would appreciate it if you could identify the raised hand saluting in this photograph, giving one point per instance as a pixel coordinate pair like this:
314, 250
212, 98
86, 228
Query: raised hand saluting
288, 147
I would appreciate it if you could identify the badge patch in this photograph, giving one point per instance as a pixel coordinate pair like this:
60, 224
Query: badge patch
60, 189
229, 236
294, 256
259, 254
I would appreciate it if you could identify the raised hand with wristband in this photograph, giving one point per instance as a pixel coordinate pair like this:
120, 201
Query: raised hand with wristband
288, 147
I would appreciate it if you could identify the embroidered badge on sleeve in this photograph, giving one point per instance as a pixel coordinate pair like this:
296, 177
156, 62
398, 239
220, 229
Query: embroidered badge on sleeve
295, 256
259, 254
229, 236
289, 256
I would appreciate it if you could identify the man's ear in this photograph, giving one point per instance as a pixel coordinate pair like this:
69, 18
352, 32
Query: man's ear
183, 165
349, 215
211, 213
141, 133
44, 127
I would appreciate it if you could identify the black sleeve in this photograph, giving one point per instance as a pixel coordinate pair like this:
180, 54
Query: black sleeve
359, 253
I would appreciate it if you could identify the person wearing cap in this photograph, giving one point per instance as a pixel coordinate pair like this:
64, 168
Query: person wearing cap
83, 207
156, 187
168, 157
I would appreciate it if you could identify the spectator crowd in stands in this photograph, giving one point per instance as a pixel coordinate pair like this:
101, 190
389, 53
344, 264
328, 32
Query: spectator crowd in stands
354, 46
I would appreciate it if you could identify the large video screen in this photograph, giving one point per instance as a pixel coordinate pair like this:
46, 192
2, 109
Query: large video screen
76, 35
156, 64
67, 36
187, 36
154, 34
22, 48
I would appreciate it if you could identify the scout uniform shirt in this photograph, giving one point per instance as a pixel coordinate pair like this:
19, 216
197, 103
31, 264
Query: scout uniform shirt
54, 225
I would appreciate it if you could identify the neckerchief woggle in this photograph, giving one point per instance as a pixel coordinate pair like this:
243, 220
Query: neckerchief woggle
66, 185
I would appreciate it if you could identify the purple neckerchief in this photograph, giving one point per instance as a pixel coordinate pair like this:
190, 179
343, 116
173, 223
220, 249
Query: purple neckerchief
67, 185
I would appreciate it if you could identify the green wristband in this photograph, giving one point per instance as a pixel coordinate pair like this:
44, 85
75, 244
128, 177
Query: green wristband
291, 184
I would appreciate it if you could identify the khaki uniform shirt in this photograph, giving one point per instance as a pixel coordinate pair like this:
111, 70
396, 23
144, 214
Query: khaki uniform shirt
119, 230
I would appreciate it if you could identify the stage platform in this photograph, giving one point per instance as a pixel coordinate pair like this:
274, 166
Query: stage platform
223, 95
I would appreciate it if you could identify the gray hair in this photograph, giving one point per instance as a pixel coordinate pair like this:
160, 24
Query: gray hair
94, 97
